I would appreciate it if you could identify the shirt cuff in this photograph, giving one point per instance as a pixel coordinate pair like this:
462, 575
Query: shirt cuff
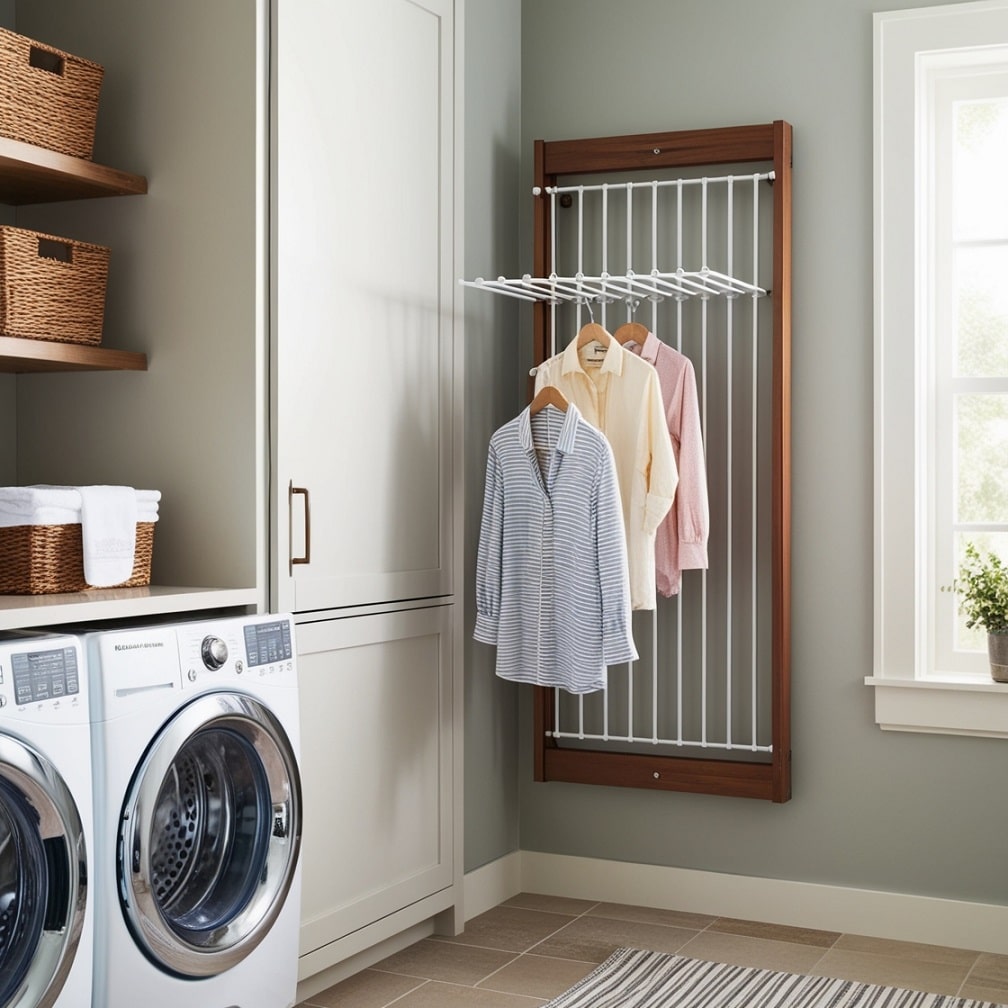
486, 629
692, 556
655, 509
618, 647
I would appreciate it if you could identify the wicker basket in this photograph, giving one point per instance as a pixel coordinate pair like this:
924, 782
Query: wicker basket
47, 97
47, 559
51, 288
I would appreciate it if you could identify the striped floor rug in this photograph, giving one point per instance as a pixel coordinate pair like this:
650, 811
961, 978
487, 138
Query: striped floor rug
632, 978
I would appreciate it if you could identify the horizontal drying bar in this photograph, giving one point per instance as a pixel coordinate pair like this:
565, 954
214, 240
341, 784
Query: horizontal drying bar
655, 183
654, 286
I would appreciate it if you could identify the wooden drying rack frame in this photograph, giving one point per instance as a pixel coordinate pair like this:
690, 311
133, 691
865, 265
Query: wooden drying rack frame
691, 148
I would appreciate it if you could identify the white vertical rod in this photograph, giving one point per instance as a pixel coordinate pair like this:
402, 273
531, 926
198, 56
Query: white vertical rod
580, 251
729, 321
580, 272
629, 243
605, 242
553, 269
679, 605
755, 498
704, 298
654, 251
605, 710
679, 227
553, 350
629, 709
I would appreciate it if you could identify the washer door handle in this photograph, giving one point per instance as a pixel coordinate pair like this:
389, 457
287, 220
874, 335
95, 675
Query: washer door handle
280, 820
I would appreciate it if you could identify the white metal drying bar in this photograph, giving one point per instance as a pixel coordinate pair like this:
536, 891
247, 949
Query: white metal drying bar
653, 286
655, 740
659, 183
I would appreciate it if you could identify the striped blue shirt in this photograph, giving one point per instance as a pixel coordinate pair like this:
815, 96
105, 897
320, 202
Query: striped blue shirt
552, 585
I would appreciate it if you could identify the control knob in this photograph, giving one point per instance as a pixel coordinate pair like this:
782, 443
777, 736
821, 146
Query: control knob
214, 652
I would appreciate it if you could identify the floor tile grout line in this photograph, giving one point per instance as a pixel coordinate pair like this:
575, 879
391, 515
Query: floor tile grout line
399, 997
514, 958
969, 973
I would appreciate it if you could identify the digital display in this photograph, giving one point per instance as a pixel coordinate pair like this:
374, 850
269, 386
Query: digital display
267, 643
44, 675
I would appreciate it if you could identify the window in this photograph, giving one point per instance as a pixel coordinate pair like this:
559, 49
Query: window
941, 355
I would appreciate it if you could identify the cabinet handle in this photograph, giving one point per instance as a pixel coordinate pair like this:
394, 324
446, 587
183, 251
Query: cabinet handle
307, 524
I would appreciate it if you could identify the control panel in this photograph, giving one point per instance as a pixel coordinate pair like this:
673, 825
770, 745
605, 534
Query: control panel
44, 675
43, 679
263, 646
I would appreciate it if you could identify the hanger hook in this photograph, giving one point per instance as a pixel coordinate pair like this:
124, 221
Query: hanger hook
591, 314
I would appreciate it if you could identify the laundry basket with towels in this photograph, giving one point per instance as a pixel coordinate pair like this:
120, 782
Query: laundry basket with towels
68, 539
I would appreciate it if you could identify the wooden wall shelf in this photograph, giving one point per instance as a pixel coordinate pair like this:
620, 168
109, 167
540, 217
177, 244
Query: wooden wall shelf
29, 356
30, 174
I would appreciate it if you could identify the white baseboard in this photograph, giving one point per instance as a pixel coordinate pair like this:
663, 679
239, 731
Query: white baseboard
491, 884
899, 916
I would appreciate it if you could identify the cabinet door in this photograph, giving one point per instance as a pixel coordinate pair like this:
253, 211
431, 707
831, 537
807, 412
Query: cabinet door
377, 756
365, 289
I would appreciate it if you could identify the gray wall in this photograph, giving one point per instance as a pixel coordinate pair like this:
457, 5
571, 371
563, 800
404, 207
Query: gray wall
493, 396
907, 813
177, 105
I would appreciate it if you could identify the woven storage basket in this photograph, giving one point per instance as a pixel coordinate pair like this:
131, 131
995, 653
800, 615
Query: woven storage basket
47, 559
47, 97
51, 288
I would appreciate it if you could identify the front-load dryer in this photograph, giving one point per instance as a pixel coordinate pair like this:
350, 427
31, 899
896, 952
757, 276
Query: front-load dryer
45, 824
195, 740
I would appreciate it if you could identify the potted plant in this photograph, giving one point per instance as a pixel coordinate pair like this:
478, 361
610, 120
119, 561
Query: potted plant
982, 587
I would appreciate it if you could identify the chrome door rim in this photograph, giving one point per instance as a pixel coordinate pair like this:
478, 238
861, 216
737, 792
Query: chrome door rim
46, 791
252, 721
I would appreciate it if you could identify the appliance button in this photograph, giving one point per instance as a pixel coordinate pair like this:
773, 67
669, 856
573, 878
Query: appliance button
214, 652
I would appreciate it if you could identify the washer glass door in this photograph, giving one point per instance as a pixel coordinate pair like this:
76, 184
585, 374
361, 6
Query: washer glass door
43, 878
210, 835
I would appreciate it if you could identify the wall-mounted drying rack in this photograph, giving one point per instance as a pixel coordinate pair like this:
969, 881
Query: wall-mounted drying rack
630, 286
714, 669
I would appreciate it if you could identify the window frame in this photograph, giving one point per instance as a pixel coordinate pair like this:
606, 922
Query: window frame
913, 48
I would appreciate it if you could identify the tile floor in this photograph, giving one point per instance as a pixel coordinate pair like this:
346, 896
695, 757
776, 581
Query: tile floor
531, 948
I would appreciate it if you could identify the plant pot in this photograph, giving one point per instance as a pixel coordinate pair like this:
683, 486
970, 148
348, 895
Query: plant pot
997, 651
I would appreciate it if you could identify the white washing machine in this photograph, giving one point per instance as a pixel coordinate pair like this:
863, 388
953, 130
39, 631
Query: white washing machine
195, 741
46, 906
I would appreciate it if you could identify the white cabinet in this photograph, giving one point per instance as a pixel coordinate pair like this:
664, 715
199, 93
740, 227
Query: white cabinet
367, 469
365, 281
378, 775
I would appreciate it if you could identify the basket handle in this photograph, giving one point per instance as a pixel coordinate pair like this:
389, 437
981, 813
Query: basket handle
43, 59
49, 248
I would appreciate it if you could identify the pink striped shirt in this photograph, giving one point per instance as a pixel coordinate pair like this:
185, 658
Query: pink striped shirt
681, 542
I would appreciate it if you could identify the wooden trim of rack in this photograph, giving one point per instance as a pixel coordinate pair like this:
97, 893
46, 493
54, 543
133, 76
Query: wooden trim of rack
660, 773
781, 294
685, 148
691, 148
541, 264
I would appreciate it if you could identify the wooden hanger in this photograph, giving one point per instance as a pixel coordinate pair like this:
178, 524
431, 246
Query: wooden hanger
631, 332
593, 332
548, 395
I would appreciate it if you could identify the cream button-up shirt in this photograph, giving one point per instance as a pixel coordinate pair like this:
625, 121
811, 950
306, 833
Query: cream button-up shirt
619, 393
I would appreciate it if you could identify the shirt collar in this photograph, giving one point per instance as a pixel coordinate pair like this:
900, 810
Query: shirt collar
568, 432
649, 351
613, 359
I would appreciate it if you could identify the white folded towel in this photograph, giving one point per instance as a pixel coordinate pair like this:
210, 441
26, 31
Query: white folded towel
24, 500
56, 505
108, 533
64, 516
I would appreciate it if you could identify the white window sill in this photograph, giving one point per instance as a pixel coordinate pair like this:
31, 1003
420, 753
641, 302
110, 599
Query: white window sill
944, 707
